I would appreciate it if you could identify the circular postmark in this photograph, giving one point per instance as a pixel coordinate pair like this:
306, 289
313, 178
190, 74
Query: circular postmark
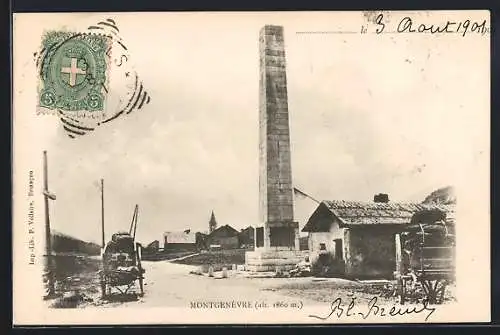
74, 78
73, 72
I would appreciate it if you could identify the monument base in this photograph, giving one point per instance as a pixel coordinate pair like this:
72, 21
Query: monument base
264, 260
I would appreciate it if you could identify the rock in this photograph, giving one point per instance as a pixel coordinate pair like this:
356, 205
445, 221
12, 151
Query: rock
196, 272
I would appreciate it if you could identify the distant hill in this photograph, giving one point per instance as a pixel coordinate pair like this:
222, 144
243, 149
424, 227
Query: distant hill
445, 195
62, 243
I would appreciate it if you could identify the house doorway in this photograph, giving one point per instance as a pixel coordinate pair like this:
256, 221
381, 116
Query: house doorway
339, 249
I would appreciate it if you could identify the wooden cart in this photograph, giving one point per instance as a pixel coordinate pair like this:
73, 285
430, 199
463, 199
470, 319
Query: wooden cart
121, 263
425, 258
122, 268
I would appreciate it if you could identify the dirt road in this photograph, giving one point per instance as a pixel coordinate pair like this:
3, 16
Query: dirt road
172, 285
169, 284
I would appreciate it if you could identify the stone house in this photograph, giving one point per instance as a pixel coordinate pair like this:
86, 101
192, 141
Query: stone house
181, 240
360, 236
225, 236
247, 237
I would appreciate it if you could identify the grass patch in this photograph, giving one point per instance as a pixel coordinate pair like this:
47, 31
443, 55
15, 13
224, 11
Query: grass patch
220, 257
77, 275
329, 290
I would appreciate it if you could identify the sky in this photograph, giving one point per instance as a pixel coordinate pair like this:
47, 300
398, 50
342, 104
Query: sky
368, 114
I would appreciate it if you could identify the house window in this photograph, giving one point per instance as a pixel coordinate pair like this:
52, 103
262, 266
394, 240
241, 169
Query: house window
322, 246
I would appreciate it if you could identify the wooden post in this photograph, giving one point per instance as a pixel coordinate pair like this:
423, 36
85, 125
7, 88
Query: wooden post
398, 274
102, 213
133, 224
422, 244
399, 254
48, 240
136, 218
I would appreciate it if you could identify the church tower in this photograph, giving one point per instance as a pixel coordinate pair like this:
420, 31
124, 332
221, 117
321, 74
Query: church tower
212, 224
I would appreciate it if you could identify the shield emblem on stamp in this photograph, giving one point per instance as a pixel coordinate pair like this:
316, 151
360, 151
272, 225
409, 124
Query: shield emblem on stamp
86, 79
74, 71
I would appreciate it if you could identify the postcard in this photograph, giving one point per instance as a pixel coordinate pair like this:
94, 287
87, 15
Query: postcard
251, 167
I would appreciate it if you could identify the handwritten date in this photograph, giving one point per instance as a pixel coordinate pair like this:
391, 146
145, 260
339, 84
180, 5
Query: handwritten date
407, 25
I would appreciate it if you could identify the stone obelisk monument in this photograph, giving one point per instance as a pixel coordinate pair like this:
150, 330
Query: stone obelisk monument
277, 241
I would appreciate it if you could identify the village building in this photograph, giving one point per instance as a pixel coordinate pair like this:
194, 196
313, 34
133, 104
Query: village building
150, 251
201, 241
360, 236
183, 240
247, 237
152, 247
224, 237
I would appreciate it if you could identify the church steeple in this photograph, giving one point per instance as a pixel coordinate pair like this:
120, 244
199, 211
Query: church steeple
212, 224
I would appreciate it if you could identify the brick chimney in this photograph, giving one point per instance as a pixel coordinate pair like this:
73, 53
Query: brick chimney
381, 197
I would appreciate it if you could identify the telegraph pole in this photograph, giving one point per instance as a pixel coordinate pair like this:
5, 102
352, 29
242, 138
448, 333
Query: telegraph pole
48, 238
102, 214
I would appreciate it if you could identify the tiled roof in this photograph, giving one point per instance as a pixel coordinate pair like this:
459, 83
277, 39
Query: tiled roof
224, 229
375, 213
351, 212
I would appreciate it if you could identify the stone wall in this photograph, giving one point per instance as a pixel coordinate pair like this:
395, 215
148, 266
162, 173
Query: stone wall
316, 239
270, 260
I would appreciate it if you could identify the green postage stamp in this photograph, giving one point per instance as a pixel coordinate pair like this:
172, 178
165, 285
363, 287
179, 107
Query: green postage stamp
73, 71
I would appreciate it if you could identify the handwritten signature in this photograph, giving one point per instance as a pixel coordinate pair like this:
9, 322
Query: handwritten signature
340, 309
